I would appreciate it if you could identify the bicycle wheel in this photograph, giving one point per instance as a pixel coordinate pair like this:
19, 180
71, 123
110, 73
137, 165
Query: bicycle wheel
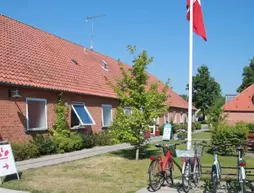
169, 173
214, 181
241, 181
197, 174
156, 178
220, 172
186, 177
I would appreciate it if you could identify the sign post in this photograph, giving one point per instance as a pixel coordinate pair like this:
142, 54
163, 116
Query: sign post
167, 130
7, 162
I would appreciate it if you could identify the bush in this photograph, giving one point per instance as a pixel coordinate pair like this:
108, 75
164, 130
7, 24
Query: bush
197, 125
103, 138
88, 140
161, 128
226, 138
68, 143
45, 144
23, 151
182, 135
251, 126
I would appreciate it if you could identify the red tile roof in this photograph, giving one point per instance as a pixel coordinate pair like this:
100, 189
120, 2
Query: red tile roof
34, 58
242, 102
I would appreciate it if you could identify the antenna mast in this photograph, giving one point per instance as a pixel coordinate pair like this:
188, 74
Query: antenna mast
92, 28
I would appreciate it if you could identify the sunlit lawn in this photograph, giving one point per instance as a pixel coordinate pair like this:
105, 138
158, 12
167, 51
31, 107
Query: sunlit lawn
116, 172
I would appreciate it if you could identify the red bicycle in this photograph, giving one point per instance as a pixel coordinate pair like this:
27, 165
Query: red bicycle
161, 170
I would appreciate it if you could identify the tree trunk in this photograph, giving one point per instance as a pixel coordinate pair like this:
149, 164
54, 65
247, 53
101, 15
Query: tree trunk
137, 153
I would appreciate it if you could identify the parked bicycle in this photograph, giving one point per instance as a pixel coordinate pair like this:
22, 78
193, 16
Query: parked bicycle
161, 169
241, 169
216, 171
191, 171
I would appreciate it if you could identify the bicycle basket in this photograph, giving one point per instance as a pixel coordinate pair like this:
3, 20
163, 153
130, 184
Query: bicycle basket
171, 148
200, 150
185, 153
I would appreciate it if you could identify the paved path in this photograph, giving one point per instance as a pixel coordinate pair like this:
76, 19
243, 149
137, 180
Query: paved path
76, 155
71, 156
3, 190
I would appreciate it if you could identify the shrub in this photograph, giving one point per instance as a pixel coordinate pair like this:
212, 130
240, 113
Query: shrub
197, 125
161, 128
45, 144
251, 126
67, 143
23, 151
88, 140
103, 138
182, 135
226, 138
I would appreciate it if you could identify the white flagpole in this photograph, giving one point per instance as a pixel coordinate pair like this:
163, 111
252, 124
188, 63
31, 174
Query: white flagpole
190, 77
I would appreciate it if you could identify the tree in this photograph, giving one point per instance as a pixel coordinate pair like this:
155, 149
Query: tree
185, 97
205, 90
146, 101
248, 76
216, 115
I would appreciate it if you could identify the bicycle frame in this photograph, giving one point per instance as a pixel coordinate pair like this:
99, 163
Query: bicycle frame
164, 162
241, 165
216, 166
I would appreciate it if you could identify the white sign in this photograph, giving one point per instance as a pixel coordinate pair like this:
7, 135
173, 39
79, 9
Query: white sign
167, 132
7, 162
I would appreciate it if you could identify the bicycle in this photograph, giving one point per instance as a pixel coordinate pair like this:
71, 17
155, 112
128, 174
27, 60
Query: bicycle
162, 167
191, 171
241, 169
216, 171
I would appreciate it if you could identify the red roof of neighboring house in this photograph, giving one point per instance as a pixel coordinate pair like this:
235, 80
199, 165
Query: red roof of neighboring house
34, 58
242, 102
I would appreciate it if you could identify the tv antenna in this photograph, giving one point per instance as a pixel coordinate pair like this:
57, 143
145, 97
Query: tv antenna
92, 28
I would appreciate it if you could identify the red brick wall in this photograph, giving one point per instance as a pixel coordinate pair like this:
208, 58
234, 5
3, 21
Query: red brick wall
13, 112
234, 117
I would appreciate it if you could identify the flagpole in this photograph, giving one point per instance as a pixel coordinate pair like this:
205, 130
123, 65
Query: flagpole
190, 77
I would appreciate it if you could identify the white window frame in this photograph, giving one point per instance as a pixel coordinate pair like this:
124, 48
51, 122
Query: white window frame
104, 63
27, 118
102, 118
80, 120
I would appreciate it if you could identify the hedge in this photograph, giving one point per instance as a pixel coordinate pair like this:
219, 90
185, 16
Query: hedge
227, 138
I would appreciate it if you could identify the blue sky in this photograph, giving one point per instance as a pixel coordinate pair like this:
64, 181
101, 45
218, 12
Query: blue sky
159, 27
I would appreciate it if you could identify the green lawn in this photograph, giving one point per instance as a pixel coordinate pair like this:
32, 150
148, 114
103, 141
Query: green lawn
115, 172
202, 135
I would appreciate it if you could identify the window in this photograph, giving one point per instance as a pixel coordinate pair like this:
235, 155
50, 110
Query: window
106, 115
166, 117
175, 117
181, 117
80, 115
127, 110
104, 65
36, 114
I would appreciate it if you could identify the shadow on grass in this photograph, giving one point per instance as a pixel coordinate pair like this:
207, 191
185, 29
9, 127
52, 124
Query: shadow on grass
145, 152
12, 177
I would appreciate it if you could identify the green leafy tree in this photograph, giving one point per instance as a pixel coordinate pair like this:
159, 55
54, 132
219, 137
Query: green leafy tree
216, 115
248, 76
185, 97
146, 101
205, 90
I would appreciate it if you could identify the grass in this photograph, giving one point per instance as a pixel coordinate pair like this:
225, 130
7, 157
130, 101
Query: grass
115, 172
202, 135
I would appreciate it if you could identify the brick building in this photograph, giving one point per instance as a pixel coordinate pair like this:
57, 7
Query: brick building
241, 107
35, 67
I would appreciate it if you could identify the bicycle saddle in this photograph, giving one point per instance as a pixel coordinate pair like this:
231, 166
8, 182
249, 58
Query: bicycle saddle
240, 147
214, 148
158, 145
